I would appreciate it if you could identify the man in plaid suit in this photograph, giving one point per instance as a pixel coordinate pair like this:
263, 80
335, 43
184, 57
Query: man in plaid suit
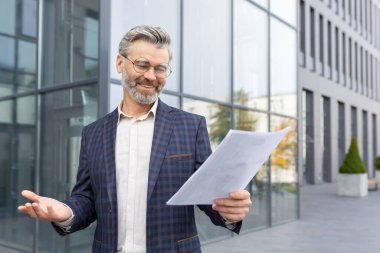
134, 159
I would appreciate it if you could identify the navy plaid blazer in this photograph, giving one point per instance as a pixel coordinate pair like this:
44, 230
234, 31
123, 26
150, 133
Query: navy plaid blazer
180, 146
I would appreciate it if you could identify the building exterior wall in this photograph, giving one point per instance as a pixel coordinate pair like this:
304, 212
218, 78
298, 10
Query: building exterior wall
235, 62
351, 79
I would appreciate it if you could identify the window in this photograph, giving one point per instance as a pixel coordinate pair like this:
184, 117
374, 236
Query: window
321, 44
312, 38
337, 48
344, 57
250, 61
302, 35
354, 122
361, 70
350, 62
365, 138
329, 53
326, 139
356, 67
209, 73
308, 137
374, 135
349, 11
341, 133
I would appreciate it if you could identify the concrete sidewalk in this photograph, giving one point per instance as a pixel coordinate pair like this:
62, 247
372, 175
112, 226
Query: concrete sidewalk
328, 224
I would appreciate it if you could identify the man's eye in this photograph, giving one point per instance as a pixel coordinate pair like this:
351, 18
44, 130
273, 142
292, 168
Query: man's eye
141, 64
161, 69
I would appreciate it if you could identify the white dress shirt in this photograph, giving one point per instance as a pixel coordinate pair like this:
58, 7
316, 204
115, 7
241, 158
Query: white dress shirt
134, 138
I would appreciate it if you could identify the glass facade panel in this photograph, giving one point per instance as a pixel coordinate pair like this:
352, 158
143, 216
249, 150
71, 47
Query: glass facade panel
170, 100
218, 125
284, 176
263, 3
129, 13
218, 118
250, 56
27, 57
70, 41
7, 65
258, 187
29, 18
8, 17
206, 50
285, 9
17, 169
64, 114
283, 69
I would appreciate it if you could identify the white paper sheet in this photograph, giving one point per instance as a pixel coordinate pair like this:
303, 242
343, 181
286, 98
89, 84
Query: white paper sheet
230, 168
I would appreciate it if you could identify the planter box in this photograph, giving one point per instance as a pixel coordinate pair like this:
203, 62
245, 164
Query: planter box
377, 175
352, 185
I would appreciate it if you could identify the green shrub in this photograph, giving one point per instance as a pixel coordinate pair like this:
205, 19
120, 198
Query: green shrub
352, 163
377, 163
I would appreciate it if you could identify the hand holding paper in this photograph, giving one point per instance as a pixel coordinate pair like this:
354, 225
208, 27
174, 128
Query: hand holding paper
230, 168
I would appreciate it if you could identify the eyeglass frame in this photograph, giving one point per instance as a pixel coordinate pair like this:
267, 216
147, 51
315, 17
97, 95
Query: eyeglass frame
143, 72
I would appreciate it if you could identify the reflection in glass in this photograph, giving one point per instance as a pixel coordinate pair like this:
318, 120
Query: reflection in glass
284, 176
250, 56
27, 57
7, 64
263, 3
29, 18
258, 187
64, 114
17, 170
286, 10
170, 100
283, 69
130, 13
206, 50
27, 65
70, 43
218, 125
8, 17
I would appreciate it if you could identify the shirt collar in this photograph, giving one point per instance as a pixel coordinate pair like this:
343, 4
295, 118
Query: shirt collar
151, 112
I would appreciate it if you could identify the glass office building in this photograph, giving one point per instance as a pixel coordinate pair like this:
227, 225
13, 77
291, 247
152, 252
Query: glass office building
234, 62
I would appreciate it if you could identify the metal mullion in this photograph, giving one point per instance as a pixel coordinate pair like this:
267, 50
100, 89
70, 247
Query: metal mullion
103, 79
181, 79
269, 200
232, 95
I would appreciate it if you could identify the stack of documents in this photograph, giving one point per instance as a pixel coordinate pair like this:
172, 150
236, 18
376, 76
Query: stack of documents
230, 168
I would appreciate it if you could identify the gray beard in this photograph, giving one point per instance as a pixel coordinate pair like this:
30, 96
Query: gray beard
131, 87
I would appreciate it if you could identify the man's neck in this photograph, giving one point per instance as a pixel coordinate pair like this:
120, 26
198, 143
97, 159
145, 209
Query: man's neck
133, 108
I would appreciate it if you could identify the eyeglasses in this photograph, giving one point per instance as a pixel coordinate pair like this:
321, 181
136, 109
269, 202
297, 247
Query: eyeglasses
142, 65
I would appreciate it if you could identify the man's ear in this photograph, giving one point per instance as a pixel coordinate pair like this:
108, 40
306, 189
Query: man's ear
119, 63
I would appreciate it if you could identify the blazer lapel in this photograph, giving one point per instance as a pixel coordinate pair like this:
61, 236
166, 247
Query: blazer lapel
109, 136
163, 127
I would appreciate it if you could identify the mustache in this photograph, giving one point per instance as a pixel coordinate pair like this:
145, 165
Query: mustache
145, 82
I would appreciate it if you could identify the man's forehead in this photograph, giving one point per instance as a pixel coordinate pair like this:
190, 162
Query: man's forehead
146, 49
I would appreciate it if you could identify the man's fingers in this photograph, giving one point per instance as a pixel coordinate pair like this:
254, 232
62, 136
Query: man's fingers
233, 202
40, 211
30, 210
30, 195
240, 195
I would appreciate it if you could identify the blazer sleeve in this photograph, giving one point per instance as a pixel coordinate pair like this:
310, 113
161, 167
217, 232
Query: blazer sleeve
203, 151
81, 201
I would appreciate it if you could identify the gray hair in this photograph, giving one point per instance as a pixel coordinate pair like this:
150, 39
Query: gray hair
155, 35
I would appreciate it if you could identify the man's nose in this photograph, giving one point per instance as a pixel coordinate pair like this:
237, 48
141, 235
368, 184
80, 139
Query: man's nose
150, 75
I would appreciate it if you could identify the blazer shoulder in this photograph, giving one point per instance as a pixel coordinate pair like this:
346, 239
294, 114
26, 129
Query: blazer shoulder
187, 115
